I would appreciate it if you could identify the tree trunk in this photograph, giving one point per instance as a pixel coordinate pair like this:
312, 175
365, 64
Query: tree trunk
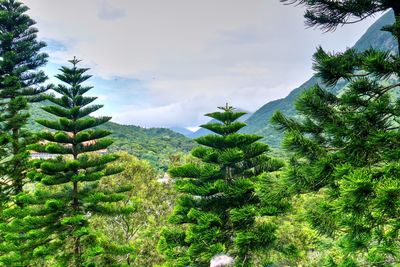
16, 176
75, 207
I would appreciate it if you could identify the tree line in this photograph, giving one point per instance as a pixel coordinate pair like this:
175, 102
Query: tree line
332, 200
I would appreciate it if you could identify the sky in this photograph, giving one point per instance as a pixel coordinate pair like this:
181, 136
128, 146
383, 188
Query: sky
165, 63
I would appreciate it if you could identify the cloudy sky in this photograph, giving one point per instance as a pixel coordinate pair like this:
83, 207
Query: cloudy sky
167, 62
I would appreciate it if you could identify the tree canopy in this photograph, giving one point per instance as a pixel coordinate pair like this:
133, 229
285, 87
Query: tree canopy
218, 208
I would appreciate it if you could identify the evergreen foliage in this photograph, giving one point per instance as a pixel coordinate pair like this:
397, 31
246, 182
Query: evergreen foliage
328, 14
54, 225
139, 230
156, 145
347, 150
20, 80
79, 207
218, 209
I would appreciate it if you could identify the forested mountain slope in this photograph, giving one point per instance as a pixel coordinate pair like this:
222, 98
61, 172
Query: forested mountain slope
153, 144
156, 144
259, 122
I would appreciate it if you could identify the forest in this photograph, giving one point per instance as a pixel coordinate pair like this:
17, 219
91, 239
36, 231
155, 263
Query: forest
316, 184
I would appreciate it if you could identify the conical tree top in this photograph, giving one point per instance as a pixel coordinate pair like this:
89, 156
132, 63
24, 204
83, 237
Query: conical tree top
73, 76
227, 116
73, 107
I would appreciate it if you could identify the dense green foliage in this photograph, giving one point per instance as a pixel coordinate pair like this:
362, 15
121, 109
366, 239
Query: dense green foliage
336, 201
54, 223
155, 145
139, 230
202, 131
346, 149
19, 84
218, 209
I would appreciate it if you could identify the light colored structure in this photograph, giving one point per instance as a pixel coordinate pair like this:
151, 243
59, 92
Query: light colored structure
221, 260
165, 179
44, 155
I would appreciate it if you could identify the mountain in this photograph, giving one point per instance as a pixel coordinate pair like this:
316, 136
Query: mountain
153, 144
259, 122
181, 130
157, 144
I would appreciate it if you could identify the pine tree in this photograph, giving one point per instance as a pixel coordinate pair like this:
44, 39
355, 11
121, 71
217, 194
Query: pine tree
347, 149
20, 80
54, 223
328, 14
218, 209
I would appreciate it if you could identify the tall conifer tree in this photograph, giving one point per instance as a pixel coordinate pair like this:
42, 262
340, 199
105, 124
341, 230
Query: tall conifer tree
54, 222
218, 208
347, 149
20, 78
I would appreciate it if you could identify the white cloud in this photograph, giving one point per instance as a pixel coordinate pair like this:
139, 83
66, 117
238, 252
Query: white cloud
172, 105
190, 55
109, 12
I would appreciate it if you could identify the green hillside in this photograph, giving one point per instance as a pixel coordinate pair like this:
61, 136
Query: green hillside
154, 144
259, 122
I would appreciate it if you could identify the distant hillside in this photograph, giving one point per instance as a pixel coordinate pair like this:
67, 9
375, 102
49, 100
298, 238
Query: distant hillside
153, 144
259, 122
181, 130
